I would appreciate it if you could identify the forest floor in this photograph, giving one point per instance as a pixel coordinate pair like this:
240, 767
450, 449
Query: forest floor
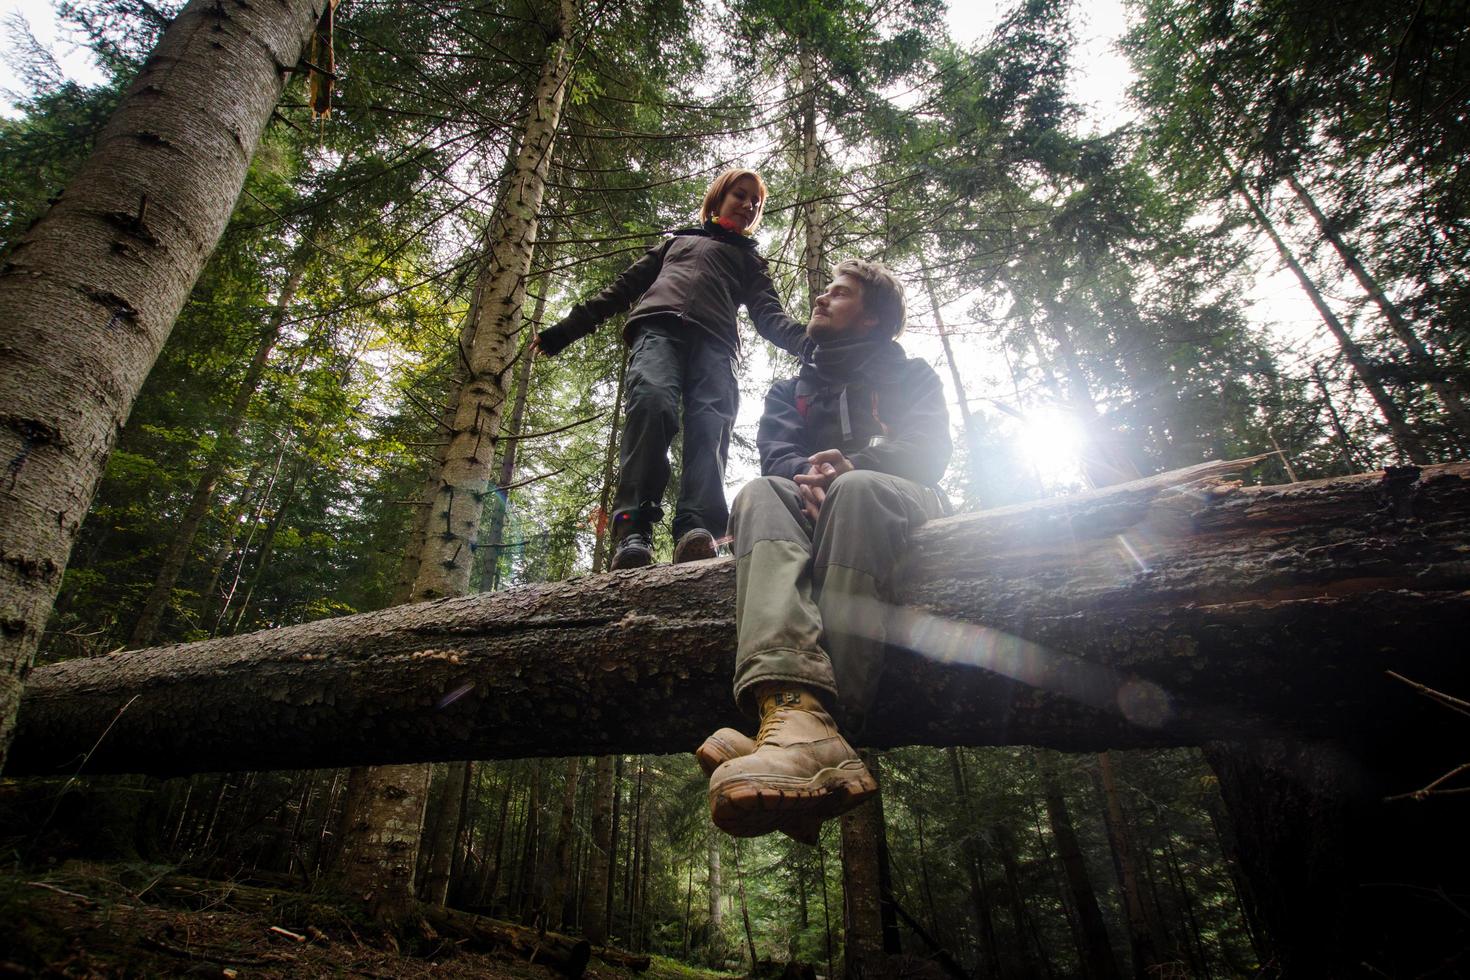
98, 921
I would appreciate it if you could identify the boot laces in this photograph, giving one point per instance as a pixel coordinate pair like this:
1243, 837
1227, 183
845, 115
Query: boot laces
771, 723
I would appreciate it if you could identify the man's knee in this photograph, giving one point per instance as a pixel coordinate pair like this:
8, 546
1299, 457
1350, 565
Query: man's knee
763, 491
855, 488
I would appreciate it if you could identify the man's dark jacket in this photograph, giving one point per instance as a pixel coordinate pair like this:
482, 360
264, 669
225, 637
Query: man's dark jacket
698, 277
884, 410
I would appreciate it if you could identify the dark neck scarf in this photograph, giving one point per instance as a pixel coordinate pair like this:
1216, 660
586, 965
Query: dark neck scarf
842, 362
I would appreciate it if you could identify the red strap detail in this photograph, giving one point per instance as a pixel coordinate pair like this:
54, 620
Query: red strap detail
881, 427
803, 405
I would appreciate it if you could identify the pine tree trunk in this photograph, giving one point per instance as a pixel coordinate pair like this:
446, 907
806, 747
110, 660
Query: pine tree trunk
1096, 951
491, 350
527, 900
716, 907
151, 615
975, 869
862, 892
1027, 963
381, 824
1404, 436
89, 294
562, 858
494, 852
495, 540
594, 891
1140, 935
1449, 393
744, 909
966, 425
614, 829
445, 840
645, 872
446, 561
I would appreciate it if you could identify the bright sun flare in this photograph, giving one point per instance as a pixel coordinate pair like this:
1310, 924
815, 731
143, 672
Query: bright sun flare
1053, 441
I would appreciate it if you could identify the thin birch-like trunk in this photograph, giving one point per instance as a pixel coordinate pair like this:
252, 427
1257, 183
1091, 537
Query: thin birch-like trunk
488, 352
90, 293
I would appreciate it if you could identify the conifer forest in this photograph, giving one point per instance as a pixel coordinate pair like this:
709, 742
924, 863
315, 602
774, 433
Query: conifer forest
311, 660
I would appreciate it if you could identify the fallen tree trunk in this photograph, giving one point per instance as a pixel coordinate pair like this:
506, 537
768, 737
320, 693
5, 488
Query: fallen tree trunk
1162, 612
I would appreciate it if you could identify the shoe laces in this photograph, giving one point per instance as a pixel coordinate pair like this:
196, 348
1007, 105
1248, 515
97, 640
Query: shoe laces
771, 723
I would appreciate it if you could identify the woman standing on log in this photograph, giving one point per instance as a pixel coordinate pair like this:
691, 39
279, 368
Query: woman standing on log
684, 293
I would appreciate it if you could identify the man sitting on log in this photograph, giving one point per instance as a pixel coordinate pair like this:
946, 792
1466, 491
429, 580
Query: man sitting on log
852, 450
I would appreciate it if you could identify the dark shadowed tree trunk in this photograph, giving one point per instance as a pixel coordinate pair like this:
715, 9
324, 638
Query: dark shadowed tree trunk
1096, 952
380, 831
594, 890
862, 891
446, 829
562, 857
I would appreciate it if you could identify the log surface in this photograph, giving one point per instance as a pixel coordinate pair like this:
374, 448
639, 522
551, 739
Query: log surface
1162, 612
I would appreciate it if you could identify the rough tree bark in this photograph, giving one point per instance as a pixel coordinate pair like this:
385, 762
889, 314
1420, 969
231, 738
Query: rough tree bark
863, 920
491, 350
1161, 612
90, 293
380, 833
562, 857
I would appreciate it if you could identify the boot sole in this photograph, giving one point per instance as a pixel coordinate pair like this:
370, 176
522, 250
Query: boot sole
632, 558
698, 548
751, 806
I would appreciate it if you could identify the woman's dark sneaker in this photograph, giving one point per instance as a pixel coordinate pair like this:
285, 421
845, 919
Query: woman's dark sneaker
634, 550
695, 545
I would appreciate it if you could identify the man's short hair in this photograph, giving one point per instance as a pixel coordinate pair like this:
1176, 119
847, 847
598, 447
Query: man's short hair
882, 292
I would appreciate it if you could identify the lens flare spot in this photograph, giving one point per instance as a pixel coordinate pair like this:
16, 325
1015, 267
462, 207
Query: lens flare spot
1144, 703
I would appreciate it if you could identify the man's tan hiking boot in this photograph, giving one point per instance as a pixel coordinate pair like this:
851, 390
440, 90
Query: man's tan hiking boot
727, 744
722, 746
802, 771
